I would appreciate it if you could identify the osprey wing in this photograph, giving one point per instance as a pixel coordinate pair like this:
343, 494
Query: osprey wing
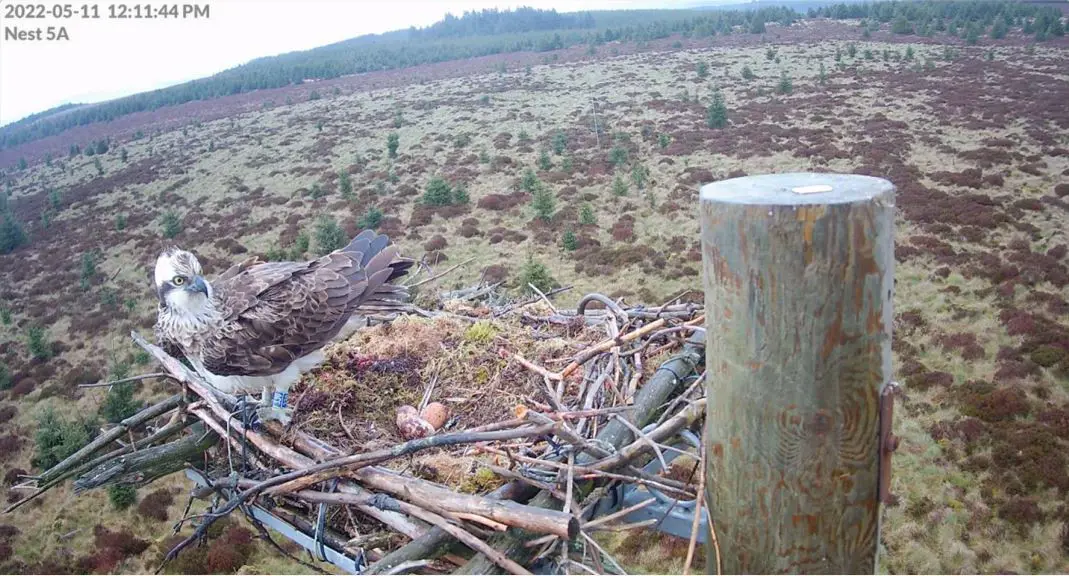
277, 312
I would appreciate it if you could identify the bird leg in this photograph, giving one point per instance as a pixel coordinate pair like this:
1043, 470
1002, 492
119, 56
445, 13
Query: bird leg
275, 406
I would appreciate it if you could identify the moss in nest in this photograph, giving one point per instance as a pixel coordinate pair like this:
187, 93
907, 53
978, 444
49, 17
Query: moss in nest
481, 332
481, 482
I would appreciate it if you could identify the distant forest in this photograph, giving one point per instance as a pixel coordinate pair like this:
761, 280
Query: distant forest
526, 29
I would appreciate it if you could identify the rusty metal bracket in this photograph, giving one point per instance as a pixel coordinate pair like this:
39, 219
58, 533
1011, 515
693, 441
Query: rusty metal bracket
888, 441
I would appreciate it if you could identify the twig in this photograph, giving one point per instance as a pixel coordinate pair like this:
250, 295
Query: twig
429, 517
625, 527
607, 345
536, 368
160, 434
440, 274
125, 380
111, 435
582, 567
618, 514
663, 431
319, 472
716, 542
587, 472
405, 566
312, 475
528, 302
430, 390
697, 518
543, 297
642, 435
506, 473
344, 427
602, 552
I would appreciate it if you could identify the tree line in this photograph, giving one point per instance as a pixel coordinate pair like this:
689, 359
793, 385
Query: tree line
490, 32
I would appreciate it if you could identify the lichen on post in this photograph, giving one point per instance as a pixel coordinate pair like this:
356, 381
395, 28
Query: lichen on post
799, 280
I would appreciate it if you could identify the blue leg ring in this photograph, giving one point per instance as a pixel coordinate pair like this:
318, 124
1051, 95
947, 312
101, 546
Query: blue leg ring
279, 400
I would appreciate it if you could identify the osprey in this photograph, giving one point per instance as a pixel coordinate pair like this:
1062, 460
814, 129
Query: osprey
260, 325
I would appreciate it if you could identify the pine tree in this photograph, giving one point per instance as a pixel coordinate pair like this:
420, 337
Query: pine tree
544, 203
392, 141
716, 116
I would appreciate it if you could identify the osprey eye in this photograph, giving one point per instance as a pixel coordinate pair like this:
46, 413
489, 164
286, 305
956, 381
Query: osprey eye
178, 280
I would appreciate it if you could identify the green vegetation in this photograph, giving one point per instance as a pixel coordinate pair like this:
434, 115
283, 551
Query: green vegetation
544, 203
89, 269
786, 85
460, 195
544, 162
122, 496
618, 155
11, 233
441, 193
119, 404
371, 219
639, 174
329, 235
6, 379
702, 69
716, 116
536, 274
37, 342
619, 186
120, 222
56, 438
392, 141
569, 241
345, 184
747, 73
529, 181
586, 215
171, 224
560, 142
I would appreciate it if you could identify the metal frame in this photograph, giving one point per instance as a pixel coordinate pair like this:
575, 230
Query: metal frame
318, 549
676, 517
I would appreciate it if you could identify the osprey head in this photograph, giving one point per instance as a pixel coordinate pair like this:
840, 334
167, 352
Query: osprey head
179, 283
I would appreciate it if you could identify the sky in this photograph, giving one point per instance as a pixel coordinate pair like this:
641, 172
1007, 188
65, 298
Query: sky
108, 58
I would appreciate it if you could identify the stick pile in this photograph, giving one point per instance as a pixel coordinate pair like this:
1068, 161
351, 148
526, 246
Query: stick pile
579, 435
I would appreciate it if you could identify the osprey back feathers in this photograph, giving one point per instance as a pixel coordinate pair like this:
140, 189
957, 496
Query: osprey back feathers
260, 325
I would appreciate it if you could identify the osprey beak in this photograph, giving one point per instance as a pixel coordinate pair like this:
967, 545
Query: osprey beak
197, 284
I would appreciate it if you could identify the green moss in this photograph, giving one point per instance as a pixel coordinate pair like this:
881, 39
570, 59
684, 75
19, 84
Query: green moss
481, 332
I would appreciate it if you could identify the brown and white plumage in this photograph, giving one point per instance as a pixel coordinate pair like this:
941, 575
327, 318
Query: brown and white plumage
260, 325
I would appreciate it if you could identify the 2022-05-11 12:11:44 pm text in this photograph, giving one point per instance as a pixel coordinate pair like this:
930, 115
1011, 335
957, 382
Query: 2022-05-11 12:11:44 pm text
37, 22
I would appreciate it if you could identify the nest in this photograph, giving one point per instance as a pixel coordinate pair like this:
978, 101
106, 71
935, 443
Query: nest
527, 416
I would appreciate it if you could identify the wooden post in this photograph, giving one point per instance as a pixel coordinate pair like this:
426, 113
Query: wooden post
799, 279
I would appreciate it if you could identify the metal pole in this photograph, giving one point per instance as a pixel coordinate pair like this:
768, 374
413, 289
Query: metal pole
799, 280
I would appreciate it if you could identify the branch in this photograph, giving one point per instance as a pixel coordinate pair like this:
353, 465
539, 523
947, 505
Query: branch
125, 380
144, 466
430, 517
111, 435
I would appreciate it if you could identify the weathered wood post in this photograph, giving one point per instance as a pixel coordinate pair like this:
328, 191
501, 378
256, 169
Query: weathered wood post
799, 280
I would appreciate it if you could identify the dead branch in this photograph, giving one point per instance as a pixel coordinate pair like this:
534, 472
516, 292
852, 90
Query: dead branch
429, 517
110, 436
125, 380
142, 467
